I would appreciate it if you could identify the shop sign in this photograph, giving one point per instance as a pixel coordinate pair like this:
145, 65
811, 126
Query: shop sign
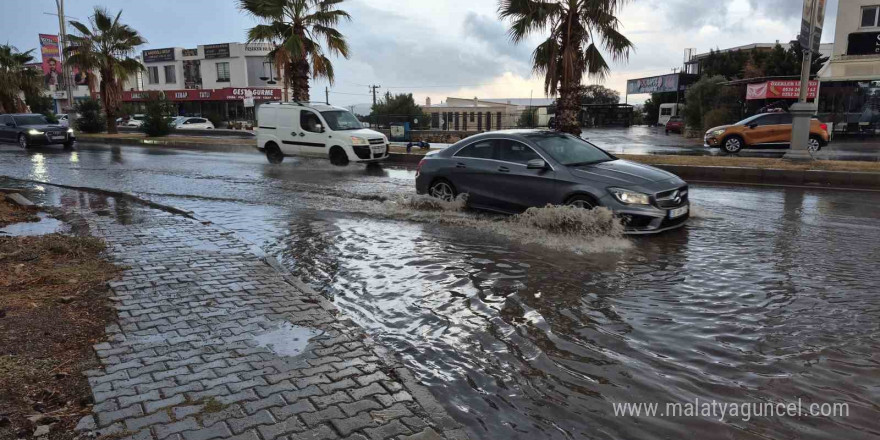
654, 84
863, 43
158, 55
780, 90
226, 94
217, 50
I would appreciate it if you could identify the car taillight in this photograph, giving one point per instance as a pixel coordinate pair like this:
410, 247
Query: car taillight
824, 127
419, 167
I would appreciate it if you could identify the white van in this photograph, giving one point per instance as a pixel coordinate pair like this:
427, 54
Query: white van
316, 130
669, 110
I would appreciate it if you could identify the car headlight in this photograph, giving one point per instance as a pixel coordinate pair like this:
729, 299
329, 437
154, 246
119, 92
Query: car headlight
359, 141
70, 130
33, 132
716, 132
629, 197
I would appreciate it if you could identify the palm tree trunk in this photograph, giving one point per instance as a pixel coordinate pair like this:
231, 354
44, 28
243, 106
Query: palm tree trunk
567, 110
300, 70
108, 99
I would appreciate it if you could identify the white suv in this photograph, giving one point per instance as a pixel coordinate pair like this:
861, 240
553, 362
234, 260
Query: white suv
315, 130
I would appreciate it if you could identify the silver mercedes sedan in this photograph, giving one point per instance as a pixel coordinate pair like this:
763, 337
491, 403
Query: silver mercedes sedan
510, 171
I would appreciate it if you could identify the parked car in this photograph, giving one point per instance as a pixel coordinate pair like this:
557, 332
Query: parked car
512, 170
192, 123
766, 129
27, 129
135, 120
293, 129
675, 124
63, 119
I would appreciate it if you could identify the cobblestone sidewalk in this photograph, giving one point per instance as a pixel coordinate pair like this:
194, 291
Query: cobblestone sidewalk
189, 357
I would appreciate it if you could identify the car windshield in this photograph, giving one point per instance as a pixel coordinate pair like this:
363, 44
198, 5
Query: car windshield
341, 120
30, 120
749, 119
569, 150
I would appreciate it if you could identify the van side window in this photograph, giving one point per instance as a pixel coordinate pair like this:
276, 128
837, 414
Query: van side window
309, 121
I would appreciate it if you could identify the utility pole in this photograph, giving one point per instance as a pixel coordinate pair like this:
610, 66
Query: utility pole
373, 90
65, 69
675, 70
802, 111
326, 95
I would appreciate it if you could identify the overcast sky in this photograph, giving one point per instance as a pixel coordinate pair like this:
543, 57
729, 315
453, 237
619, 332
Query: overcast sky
442, 48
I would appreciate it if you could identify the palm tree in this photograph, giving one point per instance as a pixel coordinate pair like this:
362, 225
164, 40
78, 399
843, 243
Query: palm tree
106, 46
16, 79
301, 26
578, 28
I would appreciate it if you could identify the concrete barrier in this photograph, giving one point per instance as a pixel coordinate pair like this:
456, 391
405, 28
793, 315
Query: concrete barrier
819, 178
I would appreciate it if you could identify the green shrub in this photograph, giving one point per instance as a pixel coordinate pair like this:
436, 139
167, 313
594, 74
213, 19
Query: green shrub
215, 119
157, 117
91, 118
716, 117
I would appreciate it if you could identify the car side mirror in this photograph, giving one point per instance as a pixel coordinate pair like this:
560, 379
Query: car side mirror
10, 124
319, 127
537, 164
752, 126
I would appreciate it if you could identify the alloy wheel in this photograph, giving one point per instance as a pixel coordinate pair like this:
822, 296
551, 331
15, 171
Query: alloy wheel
733, 145
581, 203
442, 191
22, 141
814, 145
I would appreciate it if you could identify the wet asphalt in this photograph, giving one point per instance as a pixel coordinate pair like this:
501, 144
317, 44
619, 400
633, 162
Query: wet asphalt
768, 295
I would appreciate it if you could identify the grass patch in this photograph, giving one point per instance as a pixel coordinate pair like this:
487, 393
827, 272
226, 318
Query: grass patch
12, 213
53, 308
753, 162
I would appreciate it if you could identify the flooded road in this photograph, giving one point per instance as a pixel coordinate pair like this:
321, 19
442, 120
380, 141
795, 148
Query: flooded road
768, 295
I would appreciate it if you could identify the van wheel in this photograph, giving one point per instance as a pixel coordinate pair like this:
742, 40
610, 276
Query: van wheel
338, 156
22, 141
732, 144
273, 153
814, 144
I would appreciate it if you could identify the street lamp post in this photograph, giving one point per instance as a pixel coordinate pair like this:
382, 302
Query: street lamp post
802, 111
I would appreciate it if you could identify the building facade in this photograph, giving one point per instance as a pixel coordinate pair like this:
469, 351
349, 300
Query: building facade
459, 114
850, 82
229, 80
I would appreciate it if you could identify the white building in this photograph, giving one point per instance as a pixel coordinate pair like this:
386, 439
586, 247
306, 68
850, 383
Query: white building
850, 82
227, 79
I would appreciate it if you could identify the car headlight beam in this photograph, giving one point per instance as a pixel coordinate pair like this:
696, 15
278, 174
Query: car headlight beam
70, 130
628, 197
34, 132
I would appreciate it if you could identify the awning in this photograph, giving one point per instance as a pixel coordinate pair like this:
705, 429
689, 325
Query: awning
780, 90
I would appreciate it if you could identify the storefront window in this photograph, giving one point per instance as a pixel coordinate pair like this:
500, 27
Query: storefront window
170, 76
869, 16
153, 75
223, 72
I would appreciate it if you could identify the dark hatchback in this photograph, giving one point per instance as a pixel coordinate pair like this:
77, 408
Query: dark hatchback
27, 129
510, 171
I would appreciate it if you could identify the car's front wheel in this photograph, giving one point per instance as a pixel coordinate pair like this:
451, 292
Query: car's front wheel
338, 157
68, 145
733, 144
814, 144
443, 189
22, 141
582, 202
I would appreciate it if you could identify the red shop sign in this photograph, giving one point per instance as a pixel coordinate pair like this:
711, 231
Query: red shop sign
225, 94
788, 89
